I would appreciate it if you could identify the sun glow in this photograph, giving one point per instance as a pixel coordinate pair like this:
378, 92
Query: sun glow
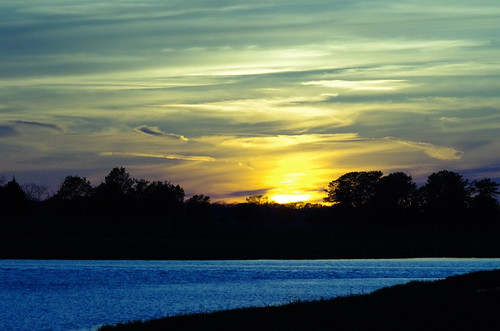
294, 177
289, 198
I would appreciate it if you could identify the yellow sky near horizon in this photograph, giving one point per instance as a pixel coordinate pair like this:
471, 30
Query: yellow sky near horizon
230, 99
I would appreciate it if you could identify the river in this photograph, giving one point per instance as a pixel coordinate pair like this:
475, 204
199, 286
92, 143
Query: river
83, 295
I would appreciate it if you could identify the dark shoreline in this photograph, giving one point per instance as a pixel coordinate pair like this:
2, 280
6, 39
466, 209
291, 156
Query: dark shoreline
465, 302
331, 242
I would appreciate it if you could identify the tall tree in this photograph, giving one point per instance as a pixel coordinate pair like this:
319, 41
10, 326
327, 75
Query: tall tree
140, 189
485, 189
198, 206
445, 192
114, 197
484, 193
14, 192
353, 189
74, 187
396, 190
13, 199
119, 179
164, 195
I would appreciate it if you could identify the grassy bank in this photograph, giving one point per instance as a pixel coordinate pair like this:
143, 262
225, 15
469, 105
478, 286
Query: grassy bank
465, 302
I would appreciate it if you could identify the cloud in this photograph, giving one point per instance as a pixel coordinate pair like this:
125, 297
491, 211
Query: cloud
155, 131
239, 194
436, 152
8, 131
363, 85
283, 114
161, 156
246, 165
39, 125
276, 142
281, 95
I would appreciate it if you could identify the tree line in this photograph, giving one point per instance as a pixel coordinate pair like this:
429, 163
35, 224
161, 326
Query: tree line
446, 197
445, 191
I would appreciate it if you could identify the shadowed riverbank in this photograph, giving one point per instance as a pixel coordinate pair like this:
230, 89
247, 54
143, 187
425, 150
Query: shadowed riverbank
254, 241
465, 302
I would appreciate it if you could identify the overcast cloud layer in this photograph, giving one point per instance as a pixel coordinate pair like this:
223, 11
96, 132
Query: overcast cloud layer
230, 97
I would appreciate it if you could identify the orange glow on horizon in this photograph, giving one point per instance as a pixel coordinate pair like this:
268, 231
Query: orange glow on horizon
293, 178
289, 198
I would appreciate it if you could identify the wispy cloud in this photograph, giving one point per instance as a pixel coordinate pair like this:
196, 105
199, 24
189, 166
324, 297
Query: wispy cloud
155, 131
161, 156
38, 125
247, 193
280, 141
8, 131
363, 85
437, 152
278, 96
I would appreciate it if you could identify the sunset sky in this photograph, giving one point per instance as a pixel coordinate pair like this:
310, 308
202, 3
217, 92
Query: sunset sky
235, 98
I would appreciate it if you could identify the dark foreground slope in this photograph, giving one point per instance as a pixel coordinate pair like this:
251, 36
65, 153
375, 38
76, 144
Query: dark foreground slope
466, 302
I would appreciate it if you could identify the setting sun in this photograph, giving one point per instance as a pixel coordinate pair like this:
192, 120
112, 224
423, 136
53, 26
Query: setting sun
289, 198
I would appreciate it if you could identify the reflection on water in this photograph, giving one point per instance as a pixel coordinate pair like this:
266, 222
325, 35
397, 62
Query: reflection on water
69, 295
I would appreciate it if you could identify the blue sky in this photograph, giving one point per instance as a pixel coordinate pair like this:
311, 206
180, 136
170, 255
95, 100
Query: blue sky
229, 97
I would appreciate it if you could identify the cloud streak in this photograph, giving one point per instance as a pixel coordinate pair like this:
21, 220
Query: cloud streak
222, 97
363, 85
38, 125
8, 131
161, 156
156, 132
436, 152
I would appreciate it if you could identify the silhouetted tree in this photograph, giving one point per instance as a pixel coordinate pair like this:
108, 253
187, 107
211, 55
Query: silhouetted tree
13, 200
164, 197
198, 206
119, 179
116, 188
74, 187
258, 199
296, 205
485, 189
35, 192
353, 189
14, 191
445, 194
484, 201
114, 198
199, 199
141, 188
395, 191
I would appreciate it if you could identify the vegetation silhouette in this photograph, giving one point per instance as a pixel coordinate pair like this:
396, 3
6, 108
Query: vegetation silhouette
13, 200
445, 196
353, 189
73, 188
464, 302
369, 215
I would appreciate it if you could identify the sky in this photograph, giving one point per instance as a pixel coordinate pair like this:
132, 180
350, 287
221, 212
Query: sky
236, 98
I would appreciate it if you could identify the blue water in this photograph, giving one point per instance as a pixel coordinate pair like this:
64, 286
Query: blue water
82, 295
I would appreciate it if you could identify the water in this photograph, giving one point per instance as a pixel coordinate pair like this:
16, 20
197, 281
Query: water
82, 295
